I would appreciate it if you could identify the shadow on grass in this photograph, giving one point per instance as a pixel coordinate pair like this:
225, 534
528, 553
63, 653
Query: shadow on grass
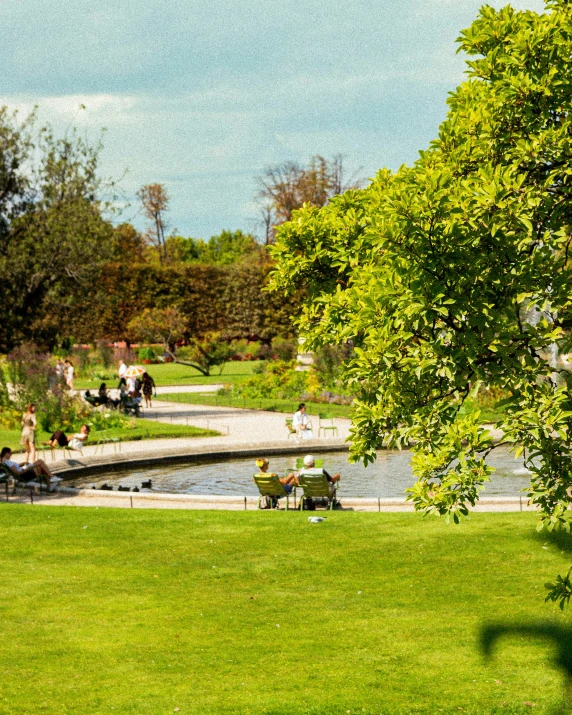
558, 538
559, 636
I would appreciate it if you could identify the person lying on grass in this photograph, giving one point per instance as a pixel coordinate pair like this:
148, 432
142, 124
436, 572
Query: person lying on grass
39, 468
76, 442
287, 482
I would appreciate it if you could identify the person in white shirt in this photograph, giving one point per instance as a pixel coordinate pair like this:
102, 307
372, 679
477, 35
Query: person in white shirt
301, 423
75, 442
121, 372
69, 374
39, 468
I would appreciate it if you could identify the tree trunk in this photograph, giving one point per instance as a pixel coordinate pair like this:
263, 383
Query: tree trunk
204, 371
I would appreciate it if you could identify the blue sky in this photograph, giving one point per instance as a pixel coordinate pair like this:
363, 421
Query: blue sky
203, 96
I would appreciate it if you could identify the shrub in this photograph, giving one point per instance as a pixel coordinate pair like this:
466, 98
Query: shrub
328, 363
285, 350
82, 359
105, 354
147, 354
276, 379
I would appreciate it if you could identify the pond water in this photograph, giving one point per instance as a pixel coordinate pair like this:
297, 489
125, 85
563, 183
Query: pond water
388, 477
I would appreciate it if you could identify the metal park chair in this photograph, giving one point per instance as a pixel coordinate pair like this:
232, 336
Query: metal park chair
316, 486
291, 429
271, 488
328, 428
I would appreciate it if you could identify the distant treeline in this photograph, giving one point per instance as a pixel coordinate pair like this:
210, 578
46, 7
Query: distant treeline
229, 299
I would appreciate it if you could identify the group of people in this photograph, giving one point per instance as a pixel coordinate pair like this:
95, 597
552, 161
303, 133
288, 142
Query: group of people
136, 387
292, 479
58, 438
65, 372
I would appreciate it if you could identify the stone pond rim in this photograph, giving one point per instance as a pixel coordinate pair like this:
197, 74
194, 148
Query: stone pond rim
105, 463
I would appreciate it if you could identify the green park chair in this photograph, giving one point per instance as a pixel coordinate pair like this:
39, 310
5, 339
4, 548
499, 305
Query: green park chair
6, 477
290, 428
328, 427
270, 487
316, 486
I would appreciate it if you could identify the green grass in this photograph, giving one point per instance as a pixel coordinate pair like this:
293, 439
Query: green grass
175, 374
144, 429
145, 612
271, 404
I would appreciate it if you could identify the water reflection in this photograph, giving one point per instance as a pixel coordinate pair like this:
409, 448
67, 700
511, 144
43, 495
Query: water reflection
386, 478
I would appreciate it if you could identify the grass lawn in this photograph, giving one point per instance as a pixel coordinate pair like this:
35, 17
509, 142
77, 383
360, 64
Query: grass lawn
150, 612
175, 374
144, 429
272, 404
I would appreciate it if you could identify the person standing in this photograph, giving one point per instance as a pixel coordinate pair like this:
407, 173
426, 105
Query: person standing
28, 437
69, 374
121, 372
148, 388
60, 367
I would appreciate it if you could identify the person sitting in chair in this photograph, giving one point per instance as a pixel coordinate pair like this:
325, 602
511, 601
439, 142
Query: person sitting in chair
301, 423
310, 466
104, 398
76, 442
39, 468
287, 482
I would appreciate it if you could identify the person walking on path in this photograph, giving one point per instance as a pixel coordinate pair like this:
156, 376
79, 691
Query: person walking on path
121, 372
148, 388
28, 437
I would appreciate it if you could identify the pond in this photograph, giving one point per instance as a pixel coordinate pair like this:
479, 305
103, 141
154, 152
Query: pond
388, 477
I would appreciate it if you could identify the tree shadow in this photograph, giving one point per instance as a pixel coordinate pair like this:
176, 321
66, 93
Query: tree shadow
558, 636
559, 538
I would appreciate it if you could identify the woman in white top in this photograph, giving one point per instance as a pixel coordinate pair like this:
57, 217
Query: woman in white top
69, 374
75, 442
302, 424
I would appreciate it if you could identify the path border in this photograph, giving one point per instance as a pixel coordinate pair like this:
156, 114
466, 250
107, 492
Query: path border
85, 466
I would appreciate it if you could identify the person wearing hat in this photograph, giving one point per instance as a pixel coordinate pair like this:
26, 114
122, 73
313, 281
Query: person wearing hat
310, 466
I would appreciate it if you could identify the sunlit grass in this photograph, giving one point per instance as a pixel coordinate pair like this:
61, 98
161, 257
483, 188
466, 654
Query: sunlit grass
143, 612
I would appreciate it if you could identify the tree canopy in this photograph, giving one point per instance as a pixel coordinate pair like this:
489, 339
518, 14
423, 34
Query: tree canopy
455, 273
53, 233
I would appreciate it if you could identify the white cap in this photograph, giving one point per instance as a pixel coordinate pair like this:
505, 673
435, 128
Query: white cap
309, 460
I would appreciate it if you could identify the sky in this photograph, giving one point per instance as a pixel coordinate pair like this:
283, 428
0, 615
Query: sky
202, 96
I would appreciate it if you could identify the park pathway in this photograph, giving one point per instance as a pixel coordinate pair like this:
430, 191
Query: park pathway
236, 427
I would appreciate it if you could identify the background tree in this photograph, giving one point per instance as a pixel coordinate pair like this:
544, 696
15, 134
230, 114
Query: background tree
155, 203
53, 235
288, 186
204, 353
431, 270
165, 325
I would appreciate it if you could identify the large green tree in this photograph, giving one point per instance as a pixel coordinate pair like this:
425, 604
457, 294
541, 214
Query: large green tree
52, 232
455, 273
